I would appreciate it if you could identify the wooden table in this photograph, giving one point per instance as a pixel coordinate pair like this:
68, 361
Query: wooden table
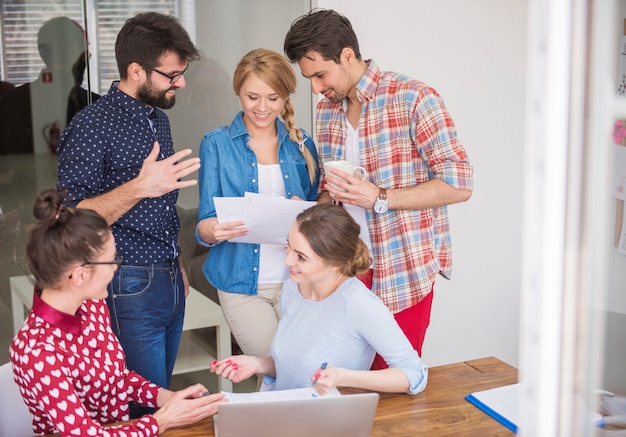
440, 410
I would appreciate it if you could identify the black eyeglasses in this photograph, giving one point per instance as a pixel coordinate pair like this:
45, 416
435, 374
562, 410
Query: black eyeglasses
172, 77
117, 261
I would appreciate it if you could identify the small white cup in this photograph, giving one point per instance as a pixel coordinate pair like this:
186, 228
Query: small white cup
345, 166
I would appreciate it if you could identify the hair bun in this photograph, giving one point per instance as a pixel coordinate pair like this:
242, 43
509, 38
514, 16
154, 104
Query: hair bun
48, 206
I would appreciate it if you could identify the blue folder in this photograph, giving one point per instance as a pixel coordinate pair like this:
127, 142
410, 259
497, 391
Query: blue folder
499, 403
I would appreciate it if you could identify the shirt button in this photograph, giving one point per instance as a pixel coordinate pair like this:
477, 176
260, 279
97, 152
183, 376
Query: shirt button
254, 181
286, 176
256, 250
254, 269
254, 164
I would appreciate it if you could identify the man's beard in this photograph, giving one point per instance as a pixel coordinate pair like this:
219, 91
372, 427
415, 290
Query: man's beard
337, 97
154, 97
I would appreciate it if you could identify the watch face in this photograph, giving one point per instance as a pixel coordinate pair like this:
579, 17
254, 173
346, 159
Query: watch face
380, 206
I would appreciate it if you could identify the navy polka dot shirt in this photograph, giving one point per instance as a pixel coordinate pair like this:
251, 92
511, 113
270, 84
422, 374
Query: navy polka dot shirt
104, 147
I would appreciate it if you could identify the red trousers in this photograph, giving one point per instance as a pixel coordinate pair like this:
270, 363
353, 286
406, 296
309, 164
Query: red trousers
413, 321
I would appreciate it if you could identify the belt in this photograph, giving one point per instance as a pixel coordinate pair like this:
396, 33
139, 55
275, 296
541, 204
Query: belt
169, 264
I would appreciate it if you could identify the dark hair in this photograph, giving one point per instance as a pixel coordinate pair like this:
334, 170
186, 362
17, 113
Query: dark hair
273, 69
62, 237
333, 235
326, 32
148, 36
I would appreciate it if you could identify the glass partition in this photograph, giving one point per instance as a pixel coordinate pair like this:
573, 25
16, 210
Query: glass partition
58, 56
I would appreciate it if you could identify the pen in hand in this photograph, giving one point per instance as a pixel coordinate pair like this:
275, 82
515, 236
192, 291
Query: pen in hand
322, 367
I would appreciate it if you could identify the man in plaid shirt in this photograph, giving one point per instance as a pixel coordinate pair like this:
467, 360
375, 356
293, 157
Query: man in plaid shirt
399, 130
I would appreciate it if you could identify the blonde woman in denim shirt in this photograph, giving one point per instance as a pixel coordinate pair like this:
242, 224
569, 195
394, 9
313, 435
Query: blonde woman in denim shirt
259, 153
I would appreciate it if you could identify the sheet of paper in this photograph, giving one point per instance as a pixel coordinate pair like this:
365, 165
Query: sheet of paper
621, 247
501, 403
278, 395
230, 209
621, 74
619, 172
267, 218
504, 404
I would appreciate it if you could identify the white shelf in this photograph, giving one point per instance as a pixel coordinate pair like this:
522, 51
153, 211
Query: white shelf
191, 356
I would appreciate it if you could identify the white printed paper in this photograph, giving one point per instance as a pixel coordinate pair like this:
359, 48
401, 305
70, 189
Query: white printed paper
279, 395
267, 218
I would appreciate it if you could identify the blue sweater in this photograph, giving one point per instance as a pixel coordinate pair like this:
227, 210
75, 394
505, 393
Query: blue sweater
345, 330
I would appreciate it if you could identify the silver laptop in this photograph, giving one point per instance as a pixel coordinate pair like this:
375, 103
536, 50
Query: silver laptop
340, 416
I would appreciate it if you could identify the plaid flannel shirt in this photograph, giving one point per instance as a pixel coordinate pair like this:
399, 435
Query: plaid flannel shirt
406, 137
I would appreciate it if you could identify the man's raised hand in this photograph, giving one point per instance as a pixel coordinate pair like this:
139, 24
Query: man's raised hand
157, 178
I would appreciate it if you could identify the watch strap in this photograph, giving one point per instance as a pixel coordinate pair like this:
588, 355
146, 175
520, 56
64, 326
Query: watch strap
382, 194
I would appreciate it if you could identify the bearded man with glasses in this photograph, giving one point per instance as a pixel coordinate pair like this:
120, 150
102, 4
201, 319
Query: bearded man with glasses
117, 157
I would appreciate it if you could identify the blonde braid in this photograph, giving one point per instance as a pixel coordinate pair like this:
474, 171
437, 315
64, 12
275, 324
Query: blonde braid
295, 134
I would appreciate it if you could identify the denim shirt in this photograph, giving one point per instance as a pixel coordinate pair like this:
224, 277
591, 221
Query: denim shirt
229, 169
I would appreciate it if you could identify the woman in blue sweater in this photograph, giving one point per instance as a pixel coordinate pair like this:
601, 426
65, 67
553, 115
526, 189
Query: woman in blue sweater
329, 317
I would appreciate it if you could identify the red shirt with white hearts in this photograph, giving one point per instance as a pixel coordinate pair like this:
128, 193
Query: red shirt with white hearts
72, 373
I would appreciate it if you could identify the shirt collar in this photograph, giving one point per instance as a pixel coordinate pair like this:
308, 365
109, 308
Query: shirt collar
130, 104
66, 322
367, 85
238, 128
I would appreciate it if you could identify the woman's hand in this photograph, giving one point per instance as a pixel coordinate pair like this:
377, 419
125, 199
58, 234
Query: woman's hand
390, 380
238, 368
211, 231
186, 406
325, 380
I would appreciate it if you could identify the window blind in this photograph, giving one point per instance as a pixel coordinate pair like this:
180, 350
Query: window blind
21, 20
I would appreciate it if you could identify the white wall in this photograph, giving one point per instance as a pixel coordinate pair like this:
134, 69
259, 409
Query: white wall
474, 54
227, 30
224, 32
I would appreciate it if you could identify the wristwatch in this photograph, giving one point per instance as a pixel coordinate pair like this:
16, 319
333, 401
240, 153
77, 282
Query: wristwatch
381, 205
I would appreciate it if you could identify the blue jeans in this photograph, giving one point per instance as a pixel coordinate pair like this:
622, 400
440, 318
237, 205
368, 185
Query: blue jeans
147, 305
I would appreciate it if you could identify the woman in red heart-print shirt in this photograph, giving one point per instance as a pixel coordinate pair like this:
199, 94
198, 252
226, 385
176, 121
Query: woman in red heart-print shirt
67, 361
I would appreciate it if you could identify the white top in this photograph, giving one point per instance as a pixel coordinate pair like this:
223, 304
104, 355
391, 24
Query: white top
272, 268
352, 144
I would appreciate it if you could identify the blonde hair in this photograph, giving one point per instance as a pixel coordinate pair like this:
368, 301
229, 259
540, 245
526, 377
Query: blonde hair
272, 68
